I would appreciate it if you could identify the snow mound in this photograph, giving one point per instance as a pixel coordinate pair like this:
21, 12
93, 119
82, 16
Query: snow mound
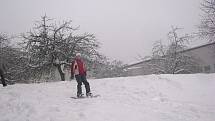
141, 98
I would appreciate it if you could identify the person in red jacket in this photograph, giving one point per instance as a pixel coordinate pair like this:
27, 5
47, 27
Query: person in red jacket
78, 69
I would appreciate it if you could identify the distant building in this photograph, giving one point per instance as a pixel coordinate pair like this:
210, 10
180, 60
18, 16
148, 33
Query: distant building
205, 54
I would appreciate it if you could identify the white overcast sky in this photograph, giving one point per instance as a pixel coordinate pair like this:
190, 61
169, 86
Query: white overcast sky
125, 28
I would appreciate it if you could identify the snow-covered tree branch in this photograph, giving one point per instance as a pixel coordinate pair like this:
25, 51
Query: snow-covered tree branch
207, 25
172, 58
53, 46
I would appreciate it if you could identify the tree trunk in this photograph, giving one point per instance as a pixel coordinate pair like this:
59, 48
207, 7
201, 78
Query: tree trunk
62, 75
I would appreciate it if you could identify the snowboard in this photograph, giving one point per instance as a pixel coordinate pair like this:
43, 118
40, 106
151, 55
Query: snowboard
85, 97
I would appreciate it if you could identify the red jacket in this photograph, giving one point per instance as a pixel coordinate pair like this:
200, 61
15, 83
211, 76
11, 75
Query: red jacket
78, 67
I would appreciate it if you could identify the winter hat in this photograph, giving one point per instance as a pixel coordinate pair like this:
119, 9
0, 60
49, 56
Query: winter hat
78, 54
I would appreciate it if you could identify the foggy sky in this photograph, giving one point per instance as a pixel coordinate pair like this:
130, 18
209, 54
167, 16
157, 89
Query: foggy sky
125, 28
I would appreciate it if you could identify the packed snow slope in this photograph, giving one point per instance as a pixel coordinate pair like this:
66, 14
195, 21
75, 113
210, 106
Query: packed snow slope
141, 98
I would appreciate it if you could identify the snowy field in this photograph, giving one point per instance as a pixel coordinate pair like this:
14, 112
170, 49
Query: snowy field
141, 98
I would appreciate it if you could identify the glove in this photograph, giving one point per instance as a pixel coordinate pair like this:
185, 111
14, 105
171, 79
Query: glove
85, 73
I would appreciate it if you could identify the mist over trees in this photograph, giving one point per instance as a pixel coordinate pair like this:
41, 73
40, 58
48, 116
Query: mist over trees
51, 46
54, 45
105, 68
171, 58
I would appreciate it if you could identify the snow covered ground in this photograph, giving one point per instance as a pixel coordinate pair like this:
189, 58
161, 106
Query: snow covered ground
141, 98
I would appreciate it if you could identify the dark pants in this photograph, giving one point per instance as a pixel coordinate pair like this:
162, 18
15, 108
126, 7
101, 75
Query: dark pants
82, 79
2, 78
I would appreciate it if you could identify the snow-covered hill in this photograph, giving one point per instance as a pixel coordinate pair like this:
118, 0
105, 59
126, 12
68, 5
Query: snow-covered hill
142, 98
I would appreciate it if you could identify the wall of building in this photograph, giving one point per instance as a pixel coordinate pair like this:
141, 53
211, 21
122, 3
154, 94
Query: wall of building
139, 69
205, 55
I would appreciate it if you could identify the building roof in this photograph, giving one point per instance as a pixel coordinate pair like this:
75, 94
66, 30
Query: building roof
201, 46
190, 49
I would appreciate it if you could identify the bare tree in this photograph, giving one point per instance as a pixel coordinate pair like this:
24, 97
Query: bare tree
172, 58
207, 26
12, 59
53, 46
105, 68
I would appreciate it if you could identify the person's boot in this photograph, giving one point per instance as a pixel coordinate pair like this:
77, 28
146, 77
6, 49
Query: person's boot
4, 85
89, 94
80, 95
